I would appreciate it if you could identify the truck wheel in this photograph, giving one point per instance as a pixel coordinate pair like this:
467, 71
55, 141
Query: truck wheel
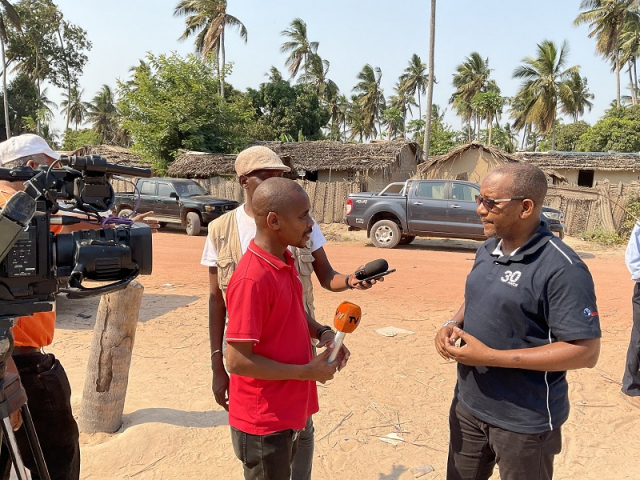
125, 212
193, 224
407, 239
385, 234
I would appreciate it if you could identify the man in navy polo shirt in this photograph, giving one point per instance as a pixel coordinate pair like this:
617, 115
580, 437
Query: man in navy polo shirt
529, 315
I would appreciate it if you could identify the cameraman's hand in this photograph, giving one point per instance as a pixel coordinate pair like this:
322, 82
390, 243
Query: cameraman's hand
16, 420
141, 217
220, 387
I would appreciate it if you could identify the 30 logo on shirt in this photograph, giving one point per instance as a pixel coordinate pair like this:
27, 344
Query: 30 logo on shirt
511, 278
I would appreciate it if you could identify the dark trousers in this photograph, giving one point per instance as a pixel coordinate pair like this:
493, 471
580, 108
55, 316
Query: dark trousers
303, 459
49, 401
631, 377
265, 457
475, 447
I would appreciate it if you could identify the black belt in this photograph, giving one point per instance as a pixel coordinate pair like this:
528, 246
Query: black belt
25, 350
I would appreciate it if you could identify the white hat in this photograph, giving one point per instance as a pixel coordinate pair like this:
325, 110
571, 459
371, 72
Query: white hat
258, 158
23, 146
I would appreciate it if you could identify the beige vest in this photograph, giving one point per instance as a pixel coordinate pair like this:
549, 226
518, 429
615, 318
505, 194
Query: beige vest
223, 233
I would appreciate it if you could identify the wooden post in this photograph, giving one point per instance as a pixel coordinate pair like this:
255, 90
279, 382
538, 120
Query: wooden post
105, 385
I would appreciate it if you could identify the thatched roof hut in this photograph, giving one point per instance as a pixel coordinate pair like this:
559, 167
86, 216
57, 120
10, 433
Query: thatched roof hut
191, 164
319, 160
113, 154
471, 162
609, 161
587, 168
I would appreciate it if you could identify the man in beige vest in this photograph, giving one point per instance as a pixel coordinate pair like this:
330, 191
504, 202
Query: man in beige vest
227, 240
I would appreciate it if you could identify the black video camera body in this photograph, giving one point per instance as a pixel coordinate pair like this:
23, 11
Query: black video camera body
35, 264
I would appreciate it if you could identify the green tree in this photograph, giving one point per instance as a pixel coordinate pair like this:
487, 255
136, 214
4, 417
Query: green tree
23, 104
568, 136
371, 99
489, 105
175, 103
208, 20
402, 101
606, 20
442, 139
414, 80
103, 115
612, 134
299, 48
74, 109
74, 139
544, 85
289, 109
8, 14
470, 79
577, 97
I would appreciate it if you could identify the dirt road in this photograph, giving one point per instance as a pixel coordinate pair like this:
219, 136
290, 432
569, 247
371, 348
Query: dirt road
173, 428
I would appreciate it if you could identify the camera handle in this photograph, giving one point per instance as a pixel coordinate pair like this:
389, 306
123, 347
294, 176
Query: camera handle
13, 398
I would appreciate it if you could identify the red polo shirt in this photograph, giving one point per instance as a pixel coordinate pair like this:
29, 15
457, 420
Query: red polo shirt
264, 303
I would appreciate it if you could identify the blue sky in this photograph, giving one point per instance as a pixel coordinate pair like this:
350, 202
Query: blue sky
351, 34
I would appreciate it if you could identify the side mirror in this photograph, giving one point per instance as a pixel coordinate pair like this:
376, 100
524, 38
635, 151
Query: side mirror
173, 195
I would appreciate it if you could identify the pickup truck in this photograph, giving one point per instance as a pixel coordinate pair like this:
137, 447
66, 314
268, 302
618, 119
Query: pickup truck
425, 208
173, 200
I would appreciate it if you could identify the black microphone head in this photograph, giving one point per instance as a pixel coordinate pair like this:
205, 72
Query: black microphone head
372, 268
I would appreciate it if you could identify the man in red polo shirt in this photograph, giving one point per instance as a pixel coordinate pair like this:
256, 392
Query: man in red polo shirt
273, 371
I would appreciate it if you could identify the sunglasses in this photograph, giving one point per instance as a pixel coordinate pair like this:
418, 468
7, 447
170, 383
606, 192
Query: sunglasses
489, 203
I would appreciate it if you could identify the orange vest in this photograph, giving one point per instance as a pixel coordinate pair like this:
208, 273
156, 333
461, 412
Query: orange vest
37, 329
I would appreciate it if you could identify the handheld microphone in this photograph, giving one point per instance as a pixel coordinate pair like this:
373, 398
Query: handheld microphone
345, 320
372, 269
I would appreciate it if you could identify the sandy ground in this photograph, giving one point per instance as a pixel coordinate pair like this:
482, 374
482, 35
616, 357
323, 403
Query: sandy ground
174, 430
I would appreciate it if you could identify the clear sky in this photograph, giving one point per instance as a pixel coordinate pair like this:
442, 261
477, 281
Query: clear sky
351, 34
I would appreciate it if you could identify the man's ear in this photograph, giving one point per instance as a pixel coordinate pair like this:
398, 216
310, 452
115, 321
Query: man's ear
273, 222
527, 208
32, 164
243, 181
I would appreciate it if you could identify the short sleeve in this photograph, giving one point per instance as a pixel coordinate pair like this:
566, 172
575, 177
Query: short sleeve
571, 304
247, 308
317, 239
209, 254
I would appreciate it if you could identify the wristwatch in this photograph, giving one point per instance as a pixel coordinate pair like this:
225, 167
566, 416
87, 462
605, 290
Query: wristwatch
321, 330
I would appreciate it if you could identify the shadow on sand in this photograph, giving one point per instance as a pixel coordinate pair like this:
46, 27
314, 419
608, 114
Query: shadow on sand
80, 314
179, 418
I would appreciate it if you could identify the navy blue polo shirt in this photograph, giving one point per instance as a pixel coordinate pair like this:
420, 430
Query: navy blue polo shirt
541, 294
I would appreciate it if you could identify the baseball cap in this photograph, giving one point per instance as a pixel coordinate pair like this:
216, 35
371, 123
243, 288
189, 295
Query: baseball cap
23, 146
258, 158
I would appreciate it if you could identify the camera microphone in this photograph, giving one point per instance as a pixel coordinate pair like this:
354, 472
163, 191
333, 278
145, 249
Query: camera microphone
372, 269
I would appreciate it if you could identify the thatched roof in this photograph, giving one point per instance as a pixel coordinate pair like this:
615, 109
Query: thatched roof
490, 150
191, 164
582, 160
309, 156
325, 155
113, 154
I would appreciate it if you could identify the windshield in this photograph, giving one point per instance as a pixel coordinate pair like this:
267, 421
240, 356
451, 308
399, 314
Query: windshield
188, 189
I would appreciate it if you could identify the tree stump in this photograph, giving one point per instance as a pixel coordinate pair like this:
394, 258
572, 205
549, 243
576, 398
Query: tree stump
105, 385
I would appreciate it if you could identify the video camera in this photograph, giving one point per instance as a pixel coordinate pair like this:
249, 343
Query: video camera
36, 264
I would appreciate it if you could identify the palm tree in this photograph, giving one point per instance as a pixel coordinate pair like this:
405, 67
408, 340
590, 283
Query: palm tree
45, 107
13, 18
299, 48
209, 18
414, 80
73, 107
403, 101
317, 75
471, 78
545, 85
370, 97
577, 97
606, 20
629, 51
102, 114
342, 114
432, 79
